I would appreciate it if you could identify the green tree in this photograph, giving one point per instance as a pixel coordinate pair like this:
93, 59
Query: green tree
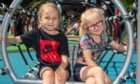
128, 4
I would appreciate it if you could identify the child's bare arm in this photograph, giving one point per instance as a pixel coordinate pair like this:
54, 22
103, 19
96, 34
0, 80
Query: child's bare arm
88, 58
13, 40
64, 62
118, 47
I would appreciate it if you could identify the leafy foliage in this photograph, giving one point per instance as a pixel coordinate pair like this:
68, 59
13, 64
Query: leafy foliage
128, 4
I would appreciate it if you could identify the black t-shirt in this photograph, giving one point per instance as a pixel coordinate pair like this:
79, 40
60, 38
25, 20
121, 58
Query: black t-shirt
46, 45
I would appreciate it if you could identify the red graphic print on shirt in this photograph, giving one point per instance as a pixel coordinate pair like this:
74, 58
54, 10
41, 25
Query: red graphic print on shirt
49, 51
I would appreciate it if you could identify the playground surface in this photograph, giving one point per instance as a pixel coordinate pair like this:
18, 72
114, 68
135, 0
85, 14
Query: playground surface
113, 69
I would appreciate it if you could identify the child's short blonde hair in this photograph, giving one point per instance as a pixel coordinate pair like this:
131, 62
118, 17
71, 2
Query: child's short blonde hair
85, 17
44, 6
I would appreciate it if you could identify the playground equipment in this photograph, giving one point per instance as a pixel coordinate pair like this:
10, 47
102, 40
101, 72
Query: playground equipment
5, 23
138, 48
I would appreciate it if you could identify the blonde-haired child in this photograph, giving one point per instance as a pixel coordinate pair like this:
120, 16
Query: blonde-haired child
50, 45
93, 42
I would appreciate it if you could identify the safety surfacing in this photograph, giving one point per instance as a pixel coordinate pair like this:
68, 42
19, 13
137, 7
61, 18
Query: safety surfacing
113, 69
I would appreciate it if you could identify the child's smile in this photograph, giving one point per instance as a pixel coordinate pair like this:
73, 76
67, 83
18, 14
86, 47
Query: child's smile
49, 19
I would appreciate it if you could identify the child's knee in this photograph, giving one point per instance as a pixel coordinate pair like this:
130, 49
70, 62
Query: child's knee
108, 81
48, 74
90, 80
97, 70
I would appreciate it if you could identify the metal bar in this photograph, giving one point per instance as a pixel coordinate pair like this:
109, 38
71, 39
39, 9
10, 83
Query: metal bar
73, 51
130, 40
19, 48
28, 51
138, 47
5, 24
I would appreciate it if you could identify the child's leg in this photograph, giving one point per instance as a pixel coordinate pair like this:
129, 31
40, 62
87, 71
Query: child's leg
90, 80
96, 72
107, 79
47, 75
62, 80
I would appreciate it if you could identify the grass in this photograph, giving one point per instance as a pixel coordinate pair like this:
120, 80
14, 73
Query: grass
23, 47
12, 48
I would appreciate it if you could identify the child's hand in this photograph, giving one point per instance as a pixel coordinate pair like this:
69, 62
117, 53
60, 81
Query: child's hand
126, 44
125, 48
0, 38
60, 74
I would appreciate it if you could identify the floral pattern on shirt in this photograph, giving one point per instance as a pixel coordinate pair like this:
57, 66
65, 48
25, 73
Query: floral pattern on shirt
87, 42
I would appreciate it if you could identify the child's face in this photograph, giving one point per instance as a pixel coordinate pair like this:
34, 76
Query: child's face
95, 24
49, 18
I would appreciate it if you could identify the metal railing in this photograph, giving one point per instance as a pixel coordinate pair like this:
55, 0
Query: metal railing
138, 47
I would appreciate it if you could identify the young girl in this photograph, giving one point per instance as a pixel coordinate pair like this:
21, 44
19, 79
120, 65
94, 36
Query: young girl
50, 45
92, 44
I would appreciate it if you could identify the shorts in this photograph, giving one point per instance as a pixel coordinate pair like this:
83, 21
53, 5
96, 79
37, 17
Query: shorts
76, 71
42, 68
